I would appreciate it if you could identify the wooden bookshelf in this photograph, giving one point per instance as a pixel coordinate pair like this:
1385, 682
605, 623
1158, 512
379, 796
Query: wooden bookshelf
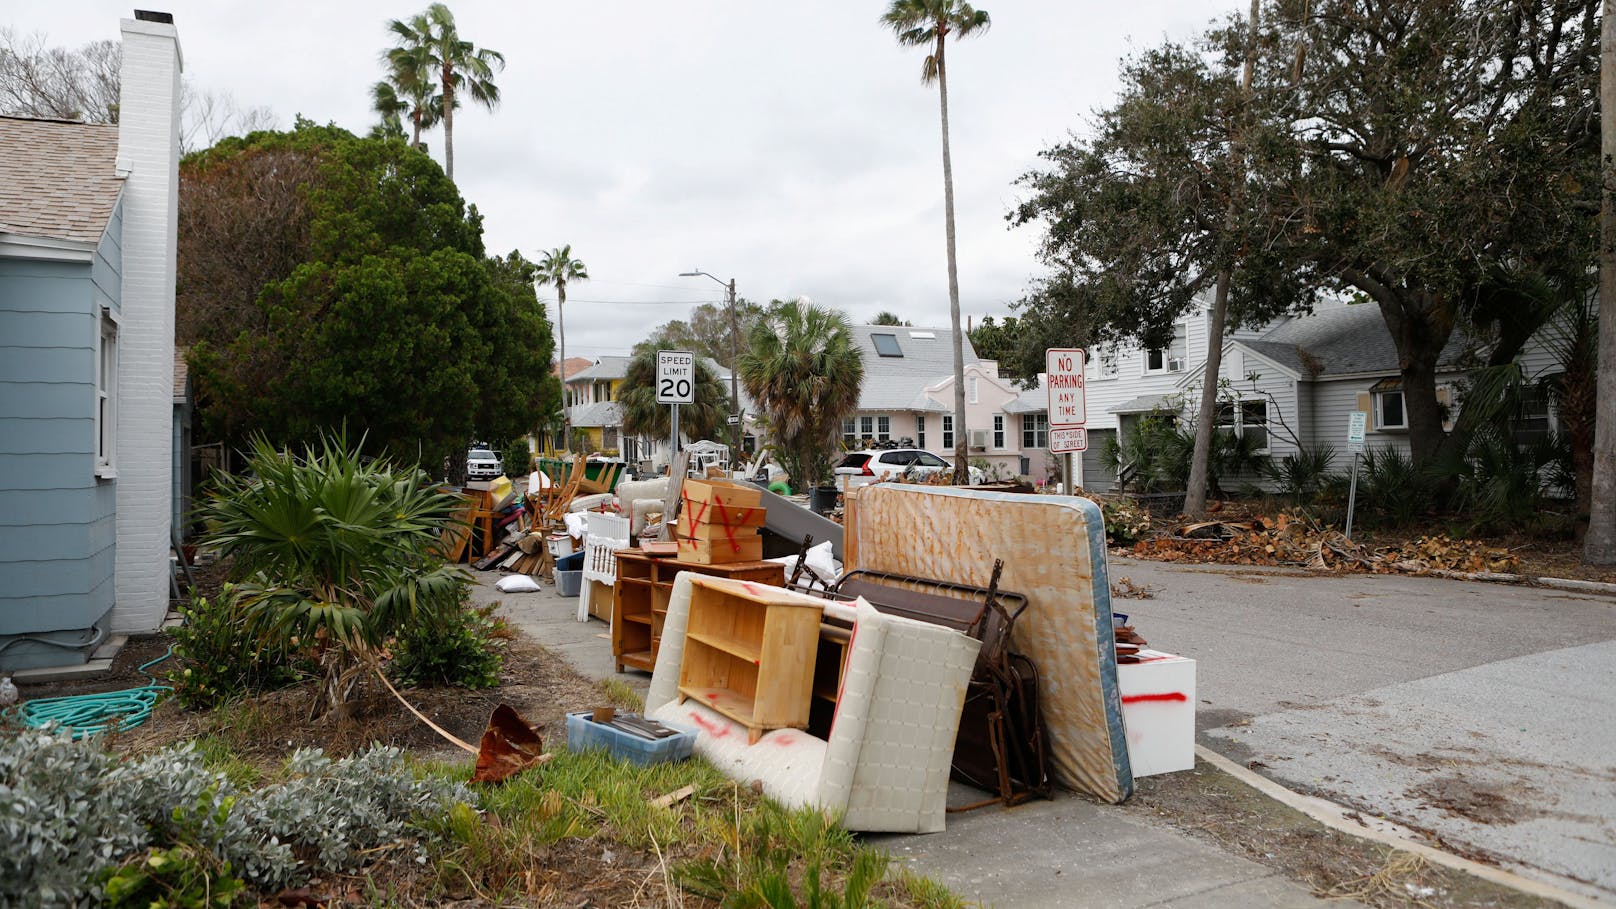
640, 599
750, 652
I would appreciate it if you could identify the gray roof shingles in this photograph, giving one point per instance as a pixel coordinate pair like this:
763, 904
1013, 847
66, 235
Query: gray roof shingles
58, 179
897, 383
1341, 341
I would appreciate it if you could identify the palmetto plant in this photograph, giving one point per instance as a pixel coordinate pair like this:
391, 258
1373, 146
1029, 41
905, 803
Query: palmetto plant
334, 551
643, 416
928, 23
804, 372
410, 91
431, 42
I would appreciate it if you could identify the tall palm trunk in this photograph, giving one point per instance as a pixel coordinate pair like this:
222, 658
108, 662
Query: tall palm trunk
561, 335
1206, 425
415, 121
962, 474
448, 125
1599, 547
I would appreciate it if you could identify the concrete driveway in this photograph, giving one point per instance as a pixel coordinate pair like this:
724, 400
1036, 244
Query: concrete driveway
1484, 714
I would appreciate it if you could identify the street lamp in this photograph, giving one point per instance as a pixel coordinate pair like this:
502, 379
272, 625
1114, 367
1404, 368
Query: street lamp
734, 359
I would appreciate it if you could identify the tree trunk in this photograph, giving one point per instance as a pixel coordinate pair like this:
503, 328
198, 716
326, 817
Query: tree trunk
962, 467
415, 121
1599, 546
448, 124
561, 340
1206, 426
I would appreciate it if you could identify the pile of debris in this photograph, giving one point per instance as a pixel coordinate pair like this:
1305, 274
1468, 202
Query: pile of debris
1287, 539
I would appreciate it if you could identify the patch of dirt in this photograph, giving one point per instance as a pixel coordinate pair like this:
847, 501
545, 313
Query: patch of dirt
1464, 798
1218, 809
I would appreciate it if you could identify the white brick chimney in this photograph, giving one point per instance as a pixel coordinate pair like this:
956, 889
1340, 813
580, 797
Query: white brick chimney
148, 145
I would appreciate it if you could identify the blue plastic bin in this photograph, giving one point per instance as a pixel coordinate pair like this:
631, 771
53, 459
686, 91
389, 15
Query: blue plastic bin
574, 562
584, 733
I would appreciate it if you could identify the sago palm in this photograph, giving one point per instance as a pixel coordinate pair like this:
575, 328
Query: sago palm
928, 23
462, 67
804, 372
333, 551
557, 268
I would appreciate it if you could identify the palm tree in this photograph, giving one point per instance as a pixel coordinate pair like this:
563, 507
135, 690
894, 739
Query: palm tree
461, 66
804, 371
384, 100
927, 23
557, 267
414, 84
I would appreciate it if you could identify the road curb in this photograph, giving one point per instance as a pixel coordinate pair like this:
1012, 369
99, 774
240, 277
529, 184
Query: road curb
1575, 584
1334, 816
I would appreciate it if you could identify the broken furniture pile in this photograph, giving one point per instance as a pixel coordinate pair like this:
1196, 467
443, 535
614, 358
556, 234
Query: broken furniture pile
1286, 539
916, 665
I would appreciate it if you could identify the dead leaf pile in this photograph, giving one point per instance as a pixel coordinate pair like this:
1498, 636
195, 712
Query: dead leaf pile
1287, 539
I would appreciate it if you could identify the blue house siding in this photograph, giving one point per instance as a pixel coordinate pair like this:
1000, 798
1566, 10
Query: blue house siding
57, 524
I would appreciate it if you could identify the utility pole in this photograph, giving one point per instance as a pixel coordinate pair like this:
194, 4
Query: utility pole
734, 376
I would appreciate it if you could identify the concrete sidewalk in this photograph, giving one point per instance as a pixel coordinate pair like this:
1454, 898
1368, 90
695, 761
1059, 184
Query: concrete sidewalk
1066, 852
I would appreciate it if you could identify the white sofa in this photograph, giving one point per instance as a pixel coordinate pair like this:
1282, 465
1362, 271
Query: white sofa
886, 764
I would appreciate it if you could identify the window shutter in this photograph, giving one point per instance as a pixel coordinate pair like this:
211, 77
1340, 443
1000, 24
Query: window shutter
1364, 402
1444, 397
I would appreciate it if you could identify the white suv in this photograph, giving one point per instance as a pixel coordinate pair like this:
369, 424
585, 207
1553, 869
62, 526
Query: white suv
860, 468
483, 464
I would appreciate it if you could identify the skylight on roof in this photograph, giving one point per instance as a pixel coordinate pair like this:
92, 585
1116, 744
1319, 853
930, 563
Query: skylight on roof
926, 335
886, 345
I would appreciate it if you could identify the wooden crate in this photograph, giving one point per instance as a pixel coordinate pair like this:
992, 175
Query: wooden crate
723, 493
742, 546
749, 653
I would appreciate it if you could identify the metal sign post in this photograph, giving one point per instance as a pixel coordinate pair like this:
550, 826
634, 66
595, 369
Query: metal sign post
1357, 423
675, 385
1068, 411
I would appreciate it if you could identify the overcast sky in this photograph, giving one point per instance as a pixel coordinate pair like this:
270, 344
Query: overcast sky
791, 147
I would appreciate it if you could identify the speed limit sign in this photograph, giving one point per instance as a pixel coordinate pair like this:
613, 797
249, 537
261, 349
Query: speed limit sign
675, 377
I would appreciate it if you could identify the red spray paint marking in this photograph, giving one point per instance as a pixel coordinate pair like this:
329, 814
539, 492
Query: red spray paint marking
1177, 697
783, 740
1150, 659
713, 729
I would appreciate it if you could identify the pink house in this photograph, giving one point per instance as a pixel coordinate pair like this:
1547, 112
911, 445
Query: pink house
908, 401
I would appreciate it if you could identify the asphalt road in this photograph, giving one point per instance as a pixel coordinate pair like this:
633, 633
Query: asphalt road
1484, 714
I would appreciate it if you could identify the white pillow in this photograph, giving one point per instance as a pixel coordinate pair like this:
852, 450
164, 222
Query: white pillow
517, 583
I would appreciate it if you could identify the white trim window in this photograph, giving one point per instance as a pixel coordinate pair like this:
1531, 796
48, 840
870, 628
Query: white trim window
883, 428
998, 430
1245, 418
1390, 410
866, 427
849, 432
920, 430
948, 432
1034, 430
106, 396
1169, 358
971, 390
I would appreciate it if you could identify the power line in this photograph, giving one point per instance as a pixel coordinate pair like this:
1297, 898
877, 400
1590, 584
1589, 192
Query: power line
637, 302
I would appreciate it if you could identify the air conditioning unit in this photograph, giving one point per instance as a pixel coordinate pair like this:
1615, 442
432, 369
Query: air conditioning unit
1175, 364
979, 439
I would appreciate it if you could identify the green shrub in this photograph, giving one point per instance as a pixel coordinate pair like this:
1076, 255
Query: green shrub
222, 656
71, 816
183, 877
1389, 485
337, 550
453, 648
1302, 475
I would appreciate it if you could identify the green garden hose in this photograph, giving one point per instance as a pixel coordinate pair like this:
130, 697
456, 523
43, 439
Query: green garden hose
93, 714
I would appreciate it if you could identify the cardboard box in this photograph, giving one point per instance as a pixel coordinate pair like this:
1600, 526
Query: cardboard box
729, 494
748, 548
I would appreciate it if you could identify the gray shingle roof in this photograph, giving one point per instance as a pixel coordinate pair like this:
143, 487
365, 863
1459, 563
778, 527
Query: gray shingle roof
605, 368
898, 383
603, 413
1341, 340
58, 179
1030, 400
1141, 404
